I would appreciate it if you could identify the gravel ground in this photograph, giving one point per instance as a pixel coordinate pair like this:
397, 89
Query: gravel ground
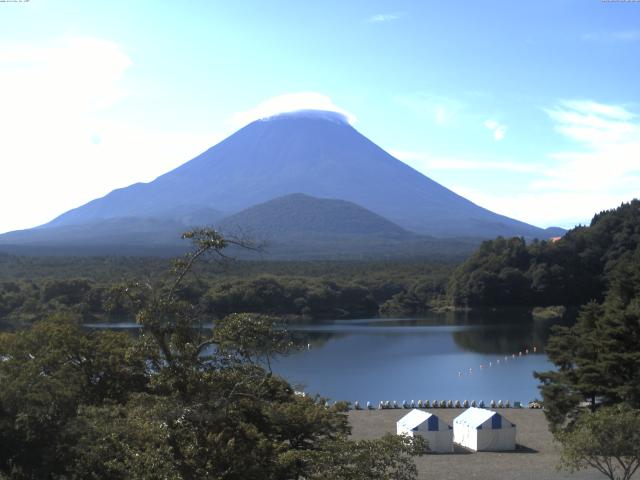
535, 459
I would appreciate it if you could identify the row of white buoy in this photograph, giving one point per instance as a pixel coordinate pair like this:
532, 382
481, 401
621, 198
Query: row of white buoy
387, 404
499, 360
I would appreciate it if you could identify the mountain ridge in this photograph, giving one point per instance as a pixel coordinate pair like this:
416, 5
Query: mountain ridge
288, 154
313, 153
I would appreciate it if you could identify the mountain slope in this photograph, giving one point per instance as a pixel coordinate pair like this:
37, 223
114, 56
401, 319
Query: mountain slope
302, 216
131, 231
316, 153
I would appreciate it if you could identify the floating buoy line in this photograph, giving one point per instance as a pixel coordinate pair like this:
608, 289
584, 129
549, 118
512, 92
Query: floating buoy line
393, 404
499, 361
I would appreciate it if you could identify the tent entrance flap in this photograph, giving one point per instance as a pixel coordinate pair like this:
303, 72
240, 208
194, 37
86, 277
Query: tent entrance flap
496, 422
432, 423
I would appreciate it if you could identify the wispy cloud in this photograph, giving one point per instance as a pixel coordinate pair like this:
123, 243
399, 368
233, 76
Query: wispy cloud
439, 109
601, 170
384, 17
499, 130
289, 102
553, 208
607, 153
594, 124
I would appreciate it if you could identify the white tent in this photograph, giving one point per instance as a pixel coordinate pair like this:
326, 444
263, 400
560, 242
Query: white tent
484, 430
427, 425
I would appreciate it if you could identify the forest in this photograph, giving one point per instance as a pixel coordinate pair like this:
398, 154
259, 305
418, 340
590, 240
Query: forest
592, 395
571, 271
33, 287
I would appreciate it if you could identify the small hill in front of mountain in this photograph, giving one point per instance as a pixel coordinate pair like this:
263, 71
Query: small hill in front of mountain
303, 216
299, 226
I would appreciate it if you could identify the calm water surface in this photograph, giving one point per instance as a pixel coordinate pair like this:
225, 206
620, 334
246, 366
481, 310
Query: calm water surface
436, 357
427, 358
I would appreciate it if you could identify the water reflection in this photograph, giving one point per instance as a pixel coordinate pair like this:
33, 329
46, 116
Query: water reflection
435, 357
490, 332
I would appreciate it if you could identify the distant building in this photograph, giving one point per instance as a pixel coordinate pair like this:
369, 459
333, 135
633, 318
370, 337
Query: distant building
438, 434
484, 430
554, 239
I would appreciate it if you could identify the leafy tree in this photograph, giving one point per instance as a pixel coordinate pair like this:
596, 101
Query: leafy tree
607, 440
389, 457
179, 401
224, 415
46, 374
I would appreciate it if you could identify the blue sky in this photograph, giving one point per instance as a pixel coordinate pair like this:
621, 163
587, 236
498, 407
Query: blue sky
531, 109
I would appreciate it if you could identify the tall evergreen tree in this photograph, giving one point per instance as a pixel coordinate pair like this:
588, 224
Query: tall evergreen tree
598, 359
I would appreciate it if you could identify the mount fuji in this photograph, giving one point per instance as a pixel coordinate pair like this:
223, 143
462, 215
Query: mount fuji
314, 153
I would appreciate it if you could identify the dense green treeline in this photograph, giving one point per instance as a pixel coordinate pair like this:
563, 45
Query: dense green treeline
571, 271
592, 396
32, 288
502, 272
107, 269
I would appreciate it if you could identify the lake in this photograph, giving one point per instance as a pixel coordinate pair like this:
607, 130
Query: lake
435, 357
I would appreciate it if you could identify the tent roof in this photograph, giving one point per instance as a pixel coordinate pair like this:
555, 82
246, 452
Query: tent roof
414, 418
474, 417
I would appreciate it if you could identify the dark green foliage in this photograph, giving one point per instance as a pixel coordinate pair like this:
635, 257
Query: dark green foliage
296, 296
176, 402
592, 398
85, 287
46, 374
493, 275
419, 298
382, 459
254, 338
571, 271
607, 440
67, 292
598, 359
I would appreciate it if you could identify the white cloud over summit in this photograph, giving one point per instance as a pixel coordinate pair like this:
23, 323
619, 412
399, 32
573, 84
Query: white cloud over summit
289, 102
